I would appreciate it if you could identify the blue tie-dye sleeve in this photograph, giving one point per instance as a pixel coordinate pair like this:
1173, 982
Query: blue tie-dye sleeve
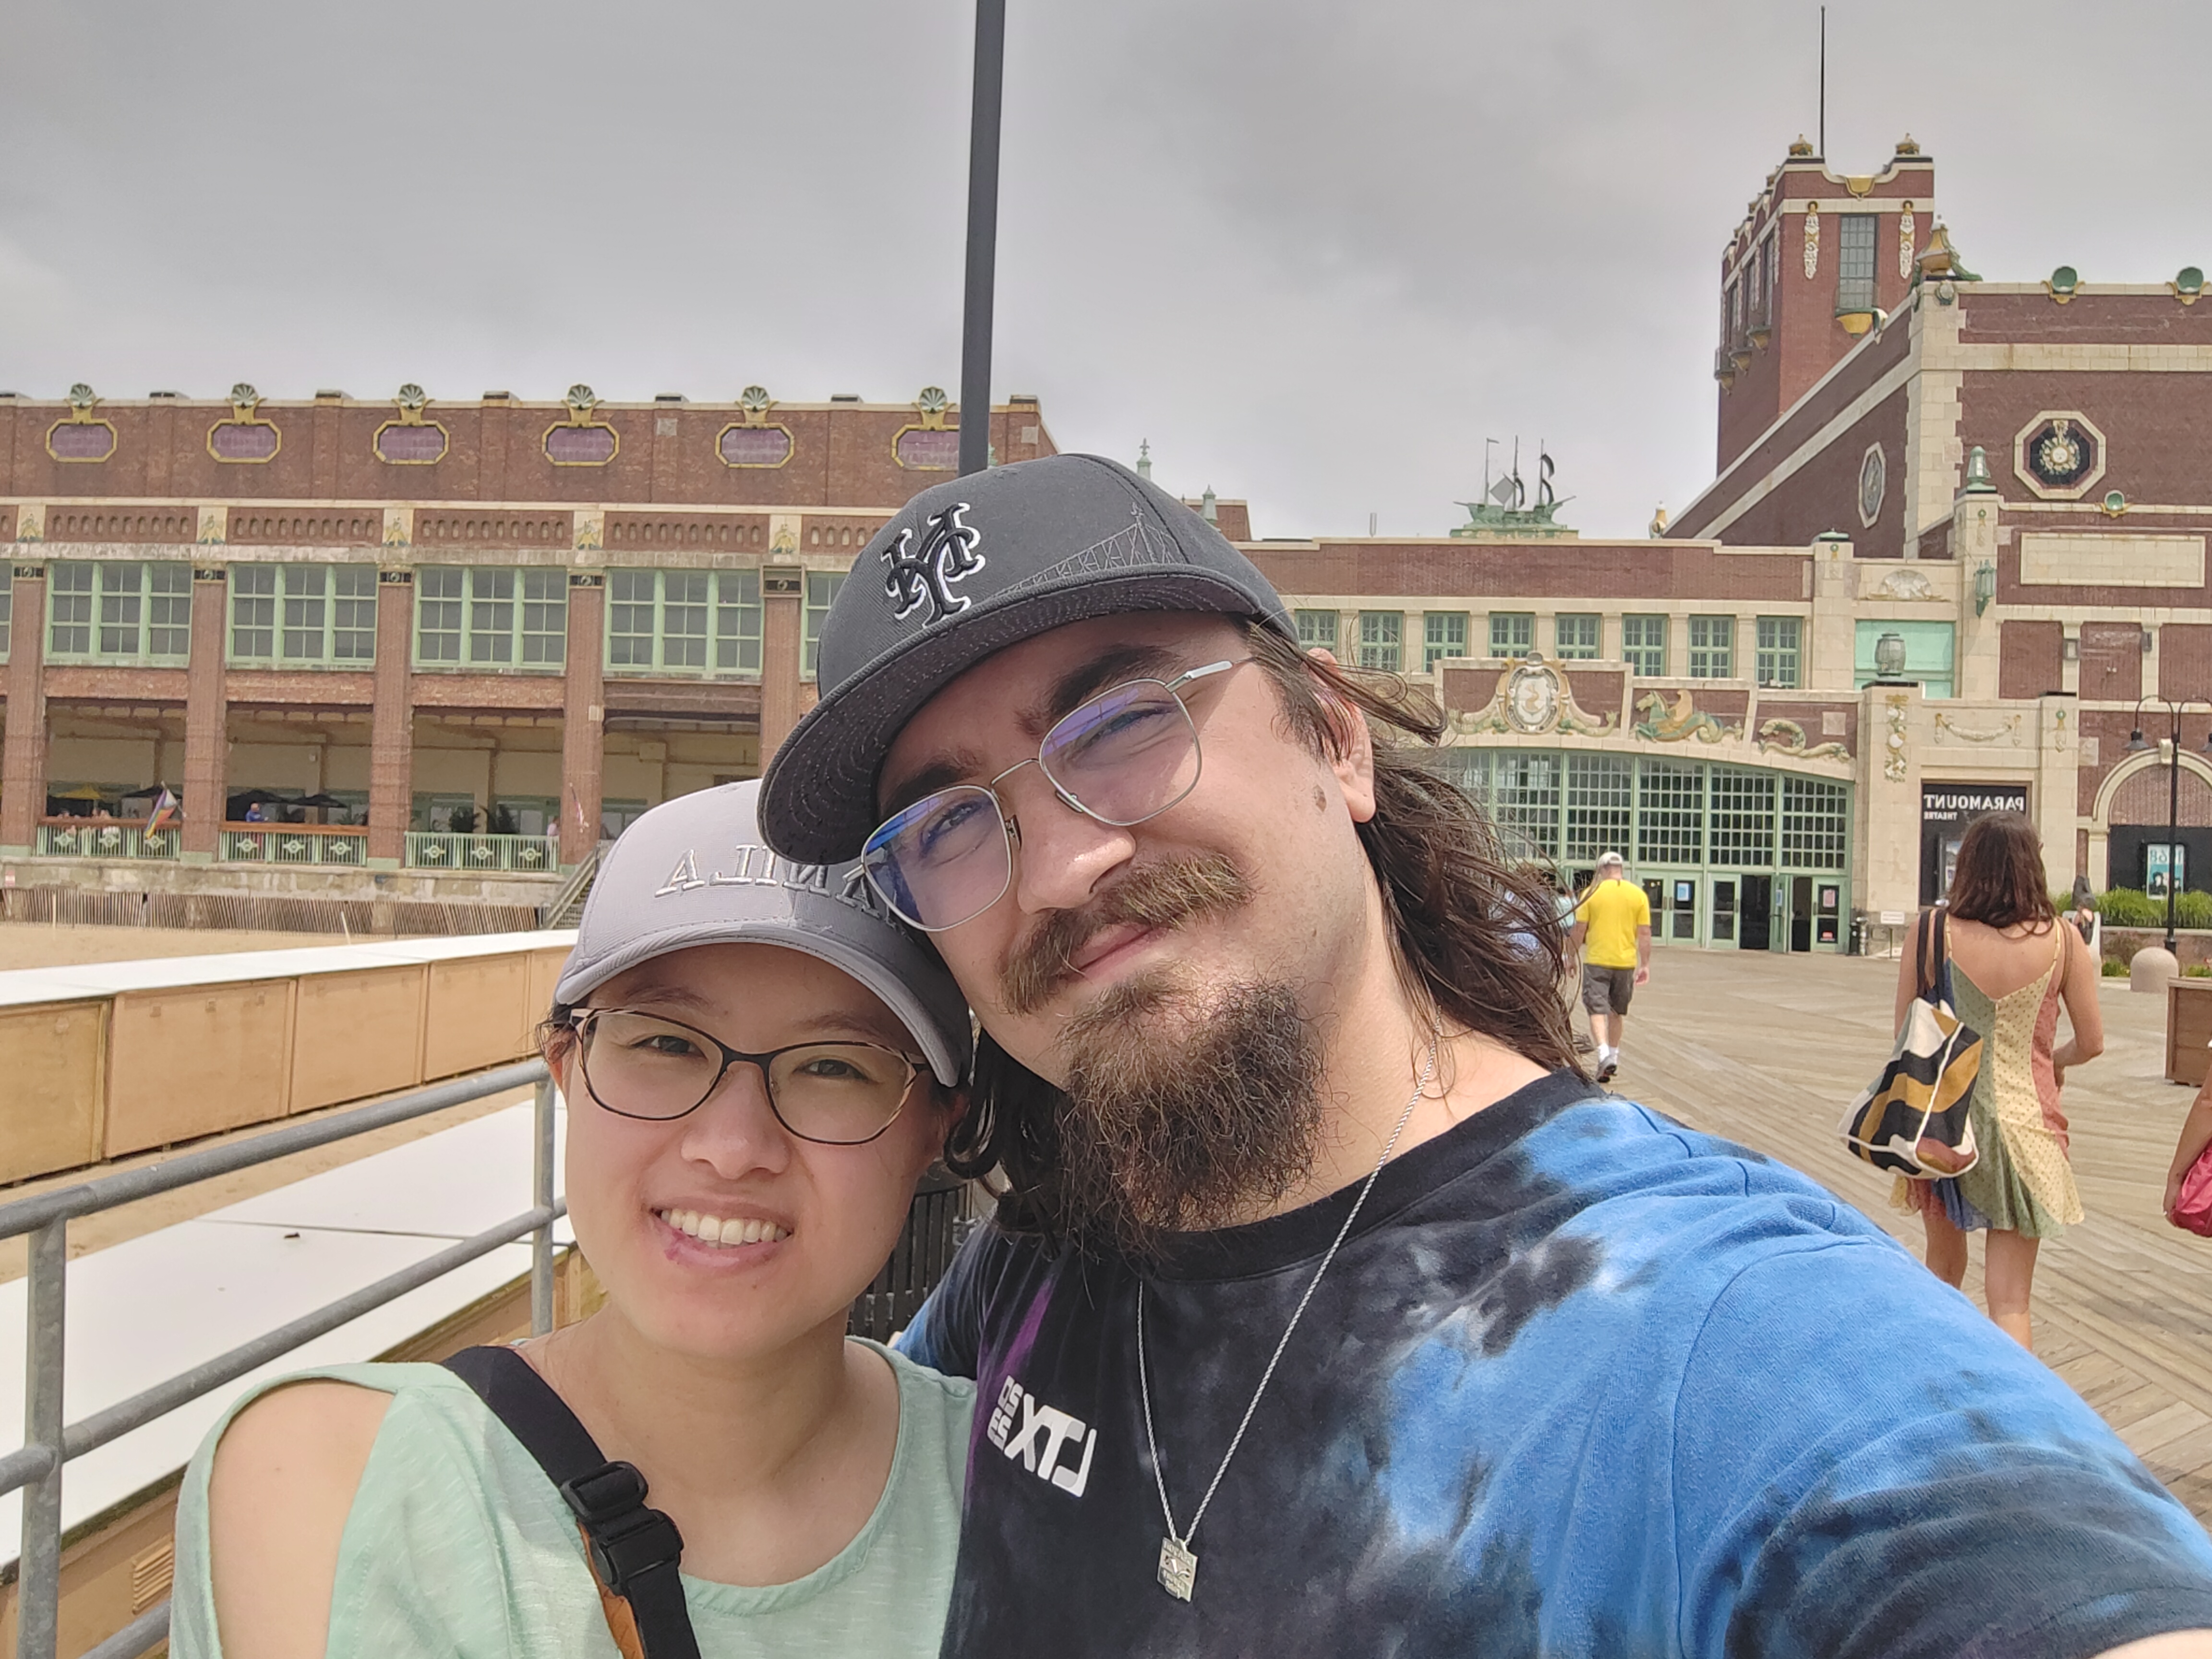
947, 1332
1865, 1466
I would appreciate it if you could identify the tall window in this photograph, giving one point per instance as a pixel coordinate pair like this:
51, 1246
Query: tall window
1512, 633
822, 587
7, 615
1316, 628
1575, 637
303, 613
1780, 656
1855, 261
1712, 647
127, 610
737, 622
684, 621
1443, 633
1381, 640
485, 617
1644, 645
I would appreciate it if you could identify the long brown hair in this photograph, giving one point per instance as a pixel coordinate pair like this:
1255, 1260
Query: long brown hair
1477, 937
1999, 878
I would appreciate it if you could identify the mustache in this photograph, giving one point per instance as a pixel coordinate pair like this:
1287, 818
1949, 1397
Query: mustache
1157, 895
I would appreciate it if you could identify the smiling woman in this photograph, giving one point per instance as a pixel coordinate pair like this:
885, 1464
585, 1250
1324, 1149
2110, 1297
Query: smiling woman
759, 1067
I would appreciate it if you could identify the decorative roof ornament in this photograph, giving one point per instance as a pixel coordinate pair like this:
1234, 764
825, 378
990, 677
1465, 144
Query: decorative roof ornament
581, 442
1940, 261
931, 404
1502, 514
1144, 457
82, 399
411, 440
1802, 147
243, 400
1907, 146
754, 403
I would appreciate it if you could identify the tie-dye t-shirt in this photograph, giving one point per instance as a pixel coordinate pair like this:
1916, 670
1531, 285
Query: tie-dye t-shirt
1582, 1382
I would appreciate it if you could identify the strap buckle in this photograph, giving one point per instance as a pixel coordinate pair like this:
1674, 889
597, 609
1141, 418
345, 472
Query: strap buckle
626, 1538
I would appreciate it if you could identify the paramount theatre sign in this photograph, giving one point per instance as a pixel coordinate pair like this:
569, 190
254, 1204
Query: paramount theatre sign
1946, 810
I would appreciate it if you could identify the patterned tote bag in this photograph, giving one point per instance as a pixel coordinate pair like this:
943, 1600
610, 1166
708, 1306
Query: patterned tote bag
1915, 1119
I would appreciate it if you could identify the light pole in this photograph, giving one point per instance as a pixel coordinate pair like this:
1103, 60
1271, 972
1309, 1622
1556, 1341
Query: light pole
2137, 745
982, 236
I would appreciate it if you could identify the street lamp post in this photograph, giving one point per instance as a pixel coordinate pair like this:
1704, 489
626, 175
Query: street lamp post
2136, 744
982, 236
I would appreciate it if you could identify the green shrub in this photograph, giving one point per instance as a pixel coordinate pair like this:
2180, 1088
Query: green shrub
2115, 970
2130, 906
2197, 970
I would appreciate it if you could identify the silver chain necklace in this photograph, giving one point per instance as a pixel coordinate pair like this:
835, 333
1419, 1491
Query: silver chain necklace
1178, 1568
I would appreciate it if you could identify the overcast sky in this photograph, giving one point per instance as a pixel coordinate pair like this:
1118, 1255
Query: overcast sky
1316, 251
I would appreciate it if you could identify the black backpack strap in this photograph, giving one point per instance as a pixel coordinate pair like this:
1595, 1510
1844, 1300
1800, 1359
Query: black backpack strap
634, 1549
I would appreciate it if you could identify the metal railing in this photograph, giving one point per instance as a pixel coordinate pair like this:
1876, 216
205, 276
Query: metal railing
527, 854
50, 1442
567, 900
106, 838
295, 844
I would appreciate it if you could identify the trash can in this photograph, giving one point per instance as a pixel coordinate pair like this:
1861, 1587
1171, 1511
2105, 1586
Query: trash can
919, 1260
1858, 934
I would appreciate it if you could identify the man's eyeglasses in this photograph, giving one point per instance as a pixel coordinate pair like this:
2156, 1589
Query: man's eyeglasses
641, 1065
1127, 755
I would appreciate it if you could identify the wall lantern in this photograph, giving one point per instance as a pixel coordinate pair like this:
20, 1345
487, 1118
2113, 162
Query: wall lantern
1889, 656
1985, 585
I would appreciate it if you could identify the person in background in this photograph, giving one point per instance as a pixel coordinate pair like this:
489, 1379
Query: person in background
2196, 1142
759, 1064
2013, 964
1612, 935
2082, 913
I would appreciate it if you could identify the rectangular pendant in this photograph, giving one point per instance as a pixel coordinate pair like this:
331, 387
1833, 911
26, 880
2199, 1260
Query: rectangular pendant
1178, 1569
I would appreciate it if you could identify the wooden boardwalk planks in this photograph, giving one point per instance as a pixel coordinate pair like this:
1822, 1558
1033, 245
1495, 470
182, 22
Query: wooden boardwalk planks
1768, 1051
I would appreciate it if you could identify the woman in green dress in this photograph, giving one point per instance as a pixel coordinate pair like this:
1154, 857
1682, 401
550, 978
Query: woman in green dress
2014, 964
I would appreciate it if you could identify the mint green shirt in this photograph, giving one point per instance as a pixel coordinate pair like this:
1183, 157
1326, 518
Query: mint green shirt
459, 1547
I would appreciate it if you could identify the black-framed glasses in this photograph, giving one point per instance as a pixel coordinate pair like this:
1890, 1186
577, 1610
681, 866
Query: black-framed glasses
1127, 755
641, 1065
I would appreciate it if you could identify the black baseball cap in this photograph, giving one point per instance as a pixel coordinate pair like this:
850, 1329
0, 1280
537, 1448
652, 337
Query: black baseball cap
964, 570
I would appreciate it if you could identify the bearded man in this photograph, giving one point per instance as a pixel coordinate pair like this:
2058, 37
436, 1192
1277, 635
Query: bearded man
1329, 1310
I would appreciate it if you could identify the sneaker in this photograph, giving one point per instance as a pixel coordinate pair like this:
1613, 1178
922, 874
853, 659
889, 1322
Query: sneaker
1607, 1071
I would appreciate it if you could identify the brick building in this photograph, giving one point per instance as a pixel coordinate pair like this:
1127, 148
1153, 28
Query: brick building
1957, 534
467, 636
1958, 531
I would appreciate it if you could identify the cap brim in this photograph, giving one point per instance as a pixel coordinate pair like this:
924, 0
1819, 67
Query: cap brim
945, 1064
818, 798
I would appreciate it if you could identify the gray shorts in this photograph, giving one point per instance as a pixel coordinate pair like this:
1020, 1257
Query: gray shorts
1606, 990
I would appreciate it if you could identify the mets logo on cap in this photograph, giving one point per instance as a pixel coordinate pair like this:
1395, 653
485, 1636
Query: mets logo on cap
923, 565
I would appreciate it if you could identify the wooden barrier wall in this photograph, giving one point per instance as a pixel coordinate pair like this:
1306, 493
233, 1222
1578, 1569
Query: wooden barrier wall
105, 1067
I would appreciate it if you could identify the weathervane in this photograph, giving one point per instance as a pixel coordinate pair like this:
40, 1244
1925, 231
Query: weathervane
1504, 513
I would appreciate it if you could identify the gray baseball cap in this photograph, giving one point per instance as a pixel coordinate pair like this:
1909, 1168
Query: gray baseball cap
694, 871
964, 570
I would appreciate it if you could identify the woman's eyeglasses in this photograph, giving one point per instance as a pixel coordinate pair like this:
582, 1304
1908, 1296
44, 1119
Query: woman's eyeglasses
1127, 755
641, 1065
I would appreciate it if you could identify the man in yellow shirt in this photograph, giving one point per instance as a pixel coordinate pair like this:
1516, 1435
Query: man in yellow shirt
1613, 936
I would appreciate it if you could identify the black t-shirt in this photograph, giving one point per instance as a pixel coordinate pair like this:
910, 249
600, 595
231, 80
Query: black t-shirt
1582, 1382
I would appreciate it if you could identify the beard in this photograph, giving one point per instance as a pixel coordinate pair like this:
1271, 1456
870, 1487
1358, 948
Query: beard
1163, 1131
